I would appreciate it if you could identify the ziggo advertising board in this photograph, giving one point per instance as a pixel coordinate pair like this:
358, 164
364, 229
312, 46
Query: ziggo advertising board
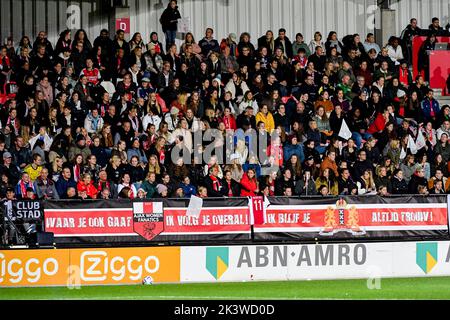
73, 267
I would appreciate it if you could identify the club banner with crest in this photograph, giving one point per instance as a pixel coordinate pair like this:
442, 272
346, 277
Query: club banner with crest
165, 220
353, 218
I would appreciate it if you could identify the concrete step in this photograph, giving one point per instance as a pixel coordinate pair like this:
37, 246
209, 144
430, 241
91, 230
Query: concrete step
443, 100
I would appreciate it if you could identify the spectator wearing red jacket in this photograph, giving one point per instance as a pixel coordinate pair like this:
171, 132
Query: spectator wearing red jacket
276, 151
380, 122
86, 186
249, 184
228, 119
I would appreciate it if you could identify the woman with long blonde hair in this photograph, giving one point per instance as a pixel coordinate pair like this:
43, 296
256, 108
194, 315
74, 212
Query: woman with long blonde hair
366, 183
153, 105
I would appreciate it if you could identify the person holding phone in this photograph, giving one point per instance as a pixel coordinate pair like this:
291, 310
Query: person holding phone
306, 186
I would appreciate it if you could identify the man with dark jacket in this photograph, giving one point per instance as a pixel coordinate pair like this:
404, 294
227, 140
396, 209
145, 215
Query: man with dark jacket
246, 119
208, 43
9, 169
283, 42
64, 182
79, 147
418, 179
105, 42
407, 36
21, 155
346, 185
318, 59
362, 164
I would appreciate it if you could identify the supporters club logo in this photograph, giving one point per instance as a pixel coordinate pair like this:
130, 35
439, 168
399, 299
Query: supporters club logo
427, 256
217, 260
148, 219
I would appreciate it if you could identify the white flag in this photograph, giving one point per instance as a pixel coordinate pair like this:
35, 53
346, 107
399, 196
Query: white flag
420, 141
195, 207
345, 132
184, 25
412, 145
402, 154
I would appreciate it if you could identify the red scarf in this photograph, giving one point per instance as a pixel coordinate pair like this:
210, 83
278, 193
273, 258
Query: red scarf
403, 77
230, 191
131, 194
162, 156
23, 187
105, 184
216, 183
76, 172
7, 61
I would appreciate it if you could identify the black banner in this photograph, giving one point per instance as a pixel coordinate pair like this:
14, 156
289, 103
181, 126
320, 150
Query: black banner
165, 220
358, 218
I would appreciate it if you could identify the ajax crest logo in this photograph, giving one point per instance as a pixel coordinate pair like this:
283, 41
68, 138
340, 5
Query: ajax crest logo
217, 261
427, 256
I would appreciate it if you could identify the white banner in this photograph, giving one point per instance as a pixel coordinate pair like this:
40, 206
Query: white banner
184, 25
315, 262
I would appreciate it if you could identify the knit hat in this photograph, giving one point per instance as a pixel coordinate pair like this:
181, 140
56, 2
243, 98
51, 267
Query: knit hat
79, 138
233, 37
401, 93
7, 155
174, 111
218, 79
161, 188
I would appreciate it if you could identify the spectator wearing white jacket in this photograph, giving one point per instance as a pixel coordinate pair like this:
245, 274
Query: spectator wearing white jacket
237, 87
395, 51
183, 130
43, 135
150, 118
248, 101
192, 121
93, 122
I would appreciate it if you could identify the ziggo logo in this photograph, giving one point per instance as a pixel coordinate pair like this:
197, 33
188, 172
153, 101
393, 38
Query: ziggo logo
96, 266
32, 269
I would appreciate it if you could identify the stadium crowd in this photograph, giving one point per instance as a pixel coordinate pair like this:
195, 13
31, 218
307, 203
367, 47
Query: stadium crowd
99, 120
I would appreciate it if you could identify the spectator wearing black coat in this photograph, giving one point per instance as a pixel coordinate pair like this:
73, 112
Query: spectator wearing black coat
213, 184
399, 185
283, 42
169, 22
285, 181
418, 179
208, 43
231, 188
